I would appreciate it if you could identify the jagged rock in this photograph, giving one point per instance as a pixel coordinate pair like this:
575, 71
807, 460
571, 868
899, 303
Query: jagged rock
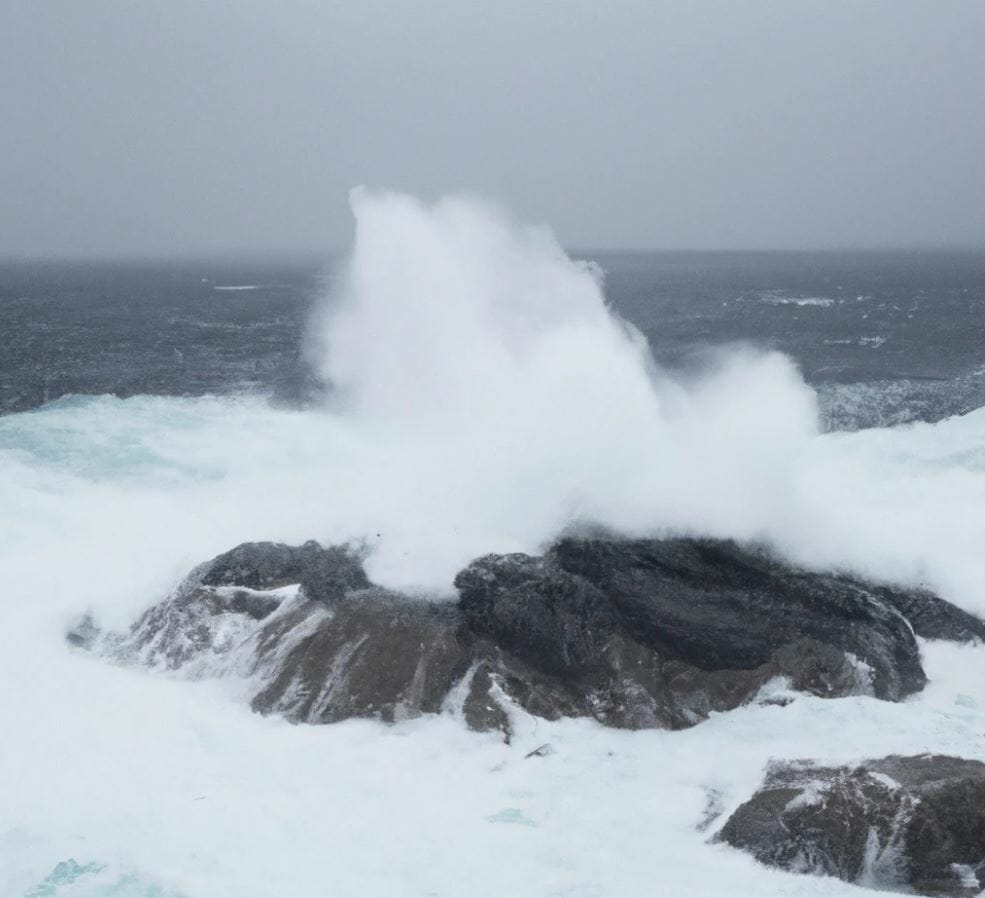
646, 633
900, 823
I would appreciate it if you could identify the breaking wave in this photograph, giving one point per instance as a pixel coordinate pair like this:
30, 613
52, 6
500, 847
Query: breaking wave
485, 398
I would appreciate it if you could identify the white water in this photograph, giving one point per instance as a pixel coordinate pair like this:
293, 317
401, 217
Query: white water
486, 400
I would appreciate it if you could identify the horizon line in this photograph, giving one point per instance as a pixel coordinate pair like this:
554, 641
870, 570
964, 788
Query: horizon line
269, 255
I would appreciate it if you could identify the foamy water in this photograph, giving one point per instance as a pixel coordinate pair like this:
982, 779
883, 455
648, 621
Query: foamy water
486, 398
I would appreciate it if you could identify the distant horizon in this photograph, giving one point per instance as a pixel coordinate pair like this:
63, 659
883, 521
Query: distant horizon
275, 256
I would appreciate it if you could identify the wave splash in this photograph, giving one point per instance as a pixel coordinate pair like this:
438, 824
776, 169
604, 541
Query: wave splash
517, 402
486, 399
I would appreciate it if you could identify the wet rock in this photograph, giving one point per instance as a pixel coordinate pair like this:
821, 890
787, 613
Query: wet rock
558, 621
714, 605
376, 654
932, 617
326, 574
197, 625
910, 824
329, 575
254, 566
664, 632
646, 633
205, 626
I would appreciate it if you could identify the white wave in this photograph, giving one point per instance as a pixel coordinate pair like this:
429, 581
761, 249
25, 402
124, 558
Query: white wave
870, 342
238, 287
780, 298
486, 399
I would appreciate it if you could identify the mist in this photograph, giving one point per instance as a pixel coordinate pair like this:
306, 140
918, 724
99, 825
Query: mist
239, 127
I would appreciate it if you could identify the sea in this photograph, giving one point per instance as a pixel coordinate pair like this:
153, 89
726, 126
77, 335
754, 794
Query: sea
456, 384
884, 337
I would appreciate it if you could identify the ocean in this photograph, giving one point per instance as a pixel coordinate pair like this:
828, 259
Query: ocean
885, 337
454, 386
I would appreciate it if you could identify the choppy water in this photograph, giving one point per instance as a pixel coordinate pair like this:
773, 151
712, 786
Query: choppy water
886, 338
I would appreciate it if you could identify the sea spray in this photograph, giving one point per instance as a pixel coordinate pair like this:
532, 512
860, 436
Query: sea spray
516, 401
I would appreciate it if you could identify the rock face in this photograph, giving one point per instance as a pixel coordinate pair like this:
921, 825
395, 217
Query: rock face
932, 617
646, 633
900, 823
706, 605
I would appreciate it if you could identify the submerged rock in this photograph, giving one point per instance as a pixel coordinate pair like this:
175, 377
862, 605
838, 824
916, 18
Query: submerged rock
643, 633
910, 824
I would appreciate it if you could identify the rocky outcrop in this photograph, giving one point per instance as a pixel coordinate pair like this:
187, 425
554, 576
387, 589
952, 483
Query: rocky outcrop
910, 824
645, 633
708, 605
221, 602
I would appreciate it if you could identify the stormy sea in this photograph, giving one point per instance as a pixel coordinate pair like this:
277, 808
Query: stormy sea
456, 385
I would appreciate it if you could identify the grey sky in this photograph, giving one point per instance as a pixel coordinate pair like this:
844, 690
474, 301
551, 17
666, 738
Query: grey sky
174, 126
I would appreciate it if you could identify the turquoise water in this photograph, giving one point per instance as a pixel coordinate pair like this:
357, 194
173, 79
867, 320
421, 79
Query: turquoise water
72, 879
103, 437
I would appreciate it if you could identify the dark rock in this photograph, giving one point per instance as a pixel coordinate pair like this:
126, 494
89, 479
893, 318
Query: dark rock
901, 823
717, 606
664, 632
932, 617
645, 633
558, 621
326, 574
253, 565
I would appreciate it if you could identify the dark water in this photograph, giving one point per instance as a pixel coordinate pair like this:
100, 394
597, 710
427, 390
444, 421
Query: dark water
151, 328
884, 337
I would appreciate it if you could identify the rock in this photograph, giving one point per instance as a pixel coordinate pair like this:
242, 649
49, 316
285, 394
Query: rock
377, 654
714, 605
253, 566
324, 573
933, 618
213, 612
197, 625
899, 823
664, 632
329, 575
644, 633
558, 621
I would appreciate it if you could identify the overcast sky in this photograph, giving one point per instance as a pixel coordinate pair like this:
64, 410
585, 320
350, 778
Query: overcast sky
177, 126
